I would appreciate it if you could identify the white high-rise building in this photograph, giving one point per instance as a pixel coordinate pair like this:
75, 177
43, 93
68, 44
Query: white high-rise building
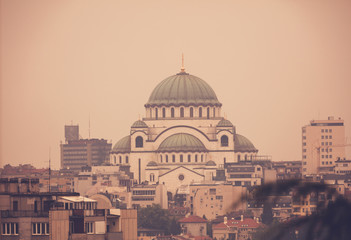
323, 143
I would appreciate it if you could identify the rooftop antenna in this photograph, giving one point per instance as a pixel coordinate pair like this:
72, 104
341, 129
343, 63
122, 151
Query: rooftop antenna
89, 126
183, 68
49, 169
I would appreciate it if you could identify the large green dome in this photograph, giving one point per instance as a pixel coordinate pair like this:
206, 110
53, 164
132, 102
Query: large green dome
182, 142
183, 89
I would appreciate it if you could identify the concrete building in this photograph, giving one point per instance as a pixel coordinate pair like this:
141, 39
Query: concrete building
76, 154
144, 195
193, 225
212, 200
234, 229
26, 213
183, 136
323, 142
288, 169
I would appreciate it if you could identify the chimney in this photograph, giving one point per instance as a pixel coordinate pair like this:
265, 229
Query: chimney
242, 217
225, 220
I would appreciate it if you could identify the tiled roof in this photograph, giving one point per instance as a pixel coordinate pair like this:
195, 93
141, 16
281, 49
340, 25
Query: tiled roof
246, 223
192, 219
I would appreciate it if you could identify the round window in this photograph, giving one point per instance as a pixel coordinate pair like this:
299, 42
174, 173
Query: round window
181, 177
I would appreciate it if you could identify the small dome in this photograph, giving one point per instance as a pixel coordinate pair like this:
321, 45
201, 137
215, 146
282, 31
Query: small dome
225, 123
122, 146
139, 124
183, 89
182, 142
151, 164
210, 163
242, 144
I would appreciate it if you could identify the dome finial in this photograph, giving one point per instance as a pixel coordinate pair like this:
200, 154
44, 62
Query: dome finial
183, 68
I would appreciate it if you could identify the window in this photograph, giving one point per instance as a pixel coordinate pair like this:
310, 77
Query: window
152, 177
238, 157
120, 159
139, 142
181, 158
200, 111
196, 158
208, 112
127, 160
89, 227
214, 112
330, 156
330, 130
150, 112
161, 158
191, 112
15, 205
322, 137
189, 158
166, 158
224, 141
202, 158
9, 229
330, 143
322, 130
322, 156
156, 113
304, 150
172, 112
304, 156
40, 228
330, 136
163, 112
181, 112
173, 158
304, 144
114, 158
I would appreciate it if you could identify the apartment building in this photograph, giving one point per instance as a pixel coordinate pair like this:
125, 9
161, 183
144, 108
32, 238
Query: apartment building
323, 143
214, 199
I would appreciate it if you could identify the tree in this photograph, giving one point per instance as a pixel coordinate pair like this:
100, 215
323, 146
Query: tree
267, 215
330, 221
174, 227
153, 217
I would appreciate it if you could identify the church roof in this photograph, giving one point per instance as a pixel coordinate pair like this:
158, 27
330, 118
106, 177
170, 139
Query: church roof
151, 164
224, 123
139, 124
122, 146
182, 142
242, 144
182, 89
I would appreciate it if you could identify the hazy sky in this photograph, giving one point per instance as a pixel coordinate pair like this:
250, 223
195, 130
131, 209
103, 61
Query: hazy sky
274, 65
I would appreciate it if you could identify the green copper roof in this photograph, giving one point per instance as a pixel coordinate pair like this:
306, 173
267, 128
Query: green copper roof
183, 89
242, 144
139, 124
122, 146
182, 142
224, 123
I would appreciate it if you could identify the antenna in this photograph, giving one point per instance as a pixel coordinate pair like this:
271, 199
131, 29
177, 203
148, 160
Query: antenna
89, 126
49, 169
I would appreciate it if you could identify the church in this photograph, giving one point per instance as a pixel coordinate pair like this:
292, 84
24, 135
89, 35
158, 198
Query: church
183, 136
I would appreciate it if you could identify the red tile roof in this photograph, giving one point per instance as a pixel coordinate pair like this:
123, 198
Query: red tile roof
192, 219
246, 223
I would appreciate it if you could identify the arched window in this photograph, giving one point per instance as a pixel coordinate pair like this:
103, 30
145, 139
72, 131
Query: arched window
127, 159
202, 158
196, 158
181, 112
224, 141
181, 158
189, 158
200, 111
150, 112
172, 112
245, 157
191, 112
114, 158
152, 177
208, 112
214, 112
161, 158
173, 158
156, 113
139, 142
120, 159
163, 112
166, 158
238, 158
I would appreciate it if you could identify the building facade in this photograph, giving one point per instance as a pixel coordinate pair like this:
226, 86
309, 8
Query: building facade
323, 143
183, 136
